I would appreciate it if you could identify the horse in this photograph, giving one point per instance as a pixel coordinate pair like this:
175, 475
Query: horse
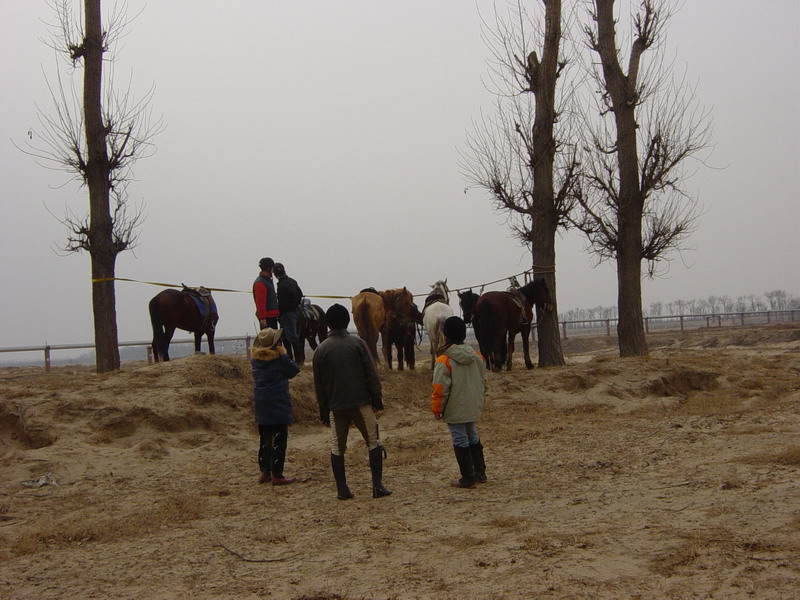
499, 316
399, 328
467, 301
188, 309
435, 312
311, 325
369, 316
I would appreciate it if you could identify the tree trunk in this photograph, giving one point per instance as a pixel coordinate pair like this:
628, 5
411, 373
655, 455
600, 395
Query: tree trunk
623, 93
630, 329
101, 235
545, 217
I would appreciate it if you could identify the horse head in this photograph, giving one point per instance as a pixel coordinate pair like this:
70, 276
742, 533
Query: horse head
440, 288
467, 301
537, 292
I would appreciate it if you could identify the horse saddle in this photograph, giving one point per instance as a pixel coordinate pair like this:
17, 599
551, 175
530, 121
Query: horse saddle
432, 299
516, 296
307, 310
202, 298
371, 290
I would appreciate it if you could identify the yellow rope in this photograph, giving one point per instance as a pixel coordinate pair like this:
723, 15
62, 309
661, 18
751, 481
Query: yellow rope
538, 268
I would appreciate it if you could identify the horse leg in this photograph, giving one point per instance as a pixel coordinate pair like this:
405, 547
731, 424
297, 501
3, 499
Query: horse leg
400, 366
509, 350
168, 333
525, 332
410, 355
210, 340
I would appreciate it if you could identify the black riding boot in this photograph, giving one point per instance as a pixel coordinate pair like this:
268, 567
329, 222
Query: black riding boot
279, 456
464, 458
337, 465
478, 464
376, 467
265, 435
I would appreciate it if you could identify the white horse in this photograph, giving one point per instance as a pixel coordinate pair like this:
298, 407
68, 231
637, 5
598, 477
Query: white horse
436, 312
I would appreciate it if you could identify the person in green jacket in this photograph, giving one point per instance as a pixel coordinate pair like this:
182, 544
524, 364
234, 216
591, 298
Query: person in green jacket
459, 385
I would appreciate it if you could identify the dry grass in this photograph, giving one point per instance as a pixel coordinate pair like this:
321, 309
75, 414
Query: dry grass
85, 526
789, 457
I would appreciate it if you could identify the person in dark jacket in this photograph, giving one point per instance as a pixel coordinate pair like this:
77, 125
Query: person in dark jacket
272, 370
289, 297
347, 386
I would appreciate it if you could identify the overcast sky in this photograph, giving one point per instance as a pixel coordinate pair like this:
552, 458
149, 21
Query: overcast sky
326, 135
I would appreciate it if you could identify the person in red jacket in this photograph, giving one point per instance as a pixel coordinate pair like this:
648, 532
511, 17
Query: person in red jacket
264, 295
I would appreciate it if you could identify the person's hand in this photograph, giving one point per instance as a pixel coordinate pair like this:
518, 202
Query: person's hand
263, 323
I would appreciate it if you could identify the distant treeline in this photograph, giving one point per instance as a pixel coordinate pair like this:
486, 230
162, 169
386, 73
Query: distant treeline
775, 300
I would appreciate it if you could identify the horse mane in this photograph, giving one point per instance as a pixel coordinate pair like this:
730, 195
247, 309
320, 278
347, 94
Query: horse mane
398, 300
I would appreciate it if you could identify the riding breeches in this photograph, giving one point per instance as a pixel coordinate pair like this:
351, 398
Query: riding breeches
363, 418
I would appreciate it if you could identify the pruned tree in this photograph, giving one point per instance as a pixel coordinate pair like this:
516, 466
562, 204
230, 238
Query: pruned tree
529, 168
634, 205
95, 136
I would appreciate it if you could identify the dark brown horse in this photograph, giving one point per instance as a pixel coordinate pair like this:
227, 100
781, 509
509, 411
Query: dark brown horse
467, 301
191, 310
312, 325
498, 317
399, 328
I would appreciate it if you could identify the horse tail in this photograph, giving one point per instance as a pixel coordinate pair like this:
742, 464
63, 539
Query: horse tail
158, 327
370, 334
322, 324
486, 331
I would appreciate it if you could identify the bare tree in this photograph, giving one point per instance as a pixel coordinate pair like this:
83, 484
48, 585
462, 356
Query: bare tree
515, 155
634, 207
95, 136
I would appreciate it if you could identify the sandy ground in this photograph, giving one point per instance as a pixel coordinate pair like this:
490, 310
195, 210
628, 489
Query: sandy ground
671, 476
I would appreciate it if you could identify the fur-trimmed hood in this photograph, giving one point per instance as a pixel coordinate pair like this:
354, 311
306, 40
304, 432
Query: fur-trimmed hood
267, 354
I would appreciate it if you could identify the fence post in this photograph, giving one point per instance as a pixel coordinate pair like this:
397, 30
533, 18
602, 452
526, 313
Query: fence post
608, 327
741, 318
768, 313
681, 323
647, 324
247, 348
719, 320
708, 320
149, 355
47, 359
564, 327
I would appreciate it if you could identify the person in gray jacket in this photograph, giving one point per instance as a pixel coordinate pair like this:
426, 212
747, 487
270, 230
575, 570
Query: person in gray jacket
347, 386
459, 385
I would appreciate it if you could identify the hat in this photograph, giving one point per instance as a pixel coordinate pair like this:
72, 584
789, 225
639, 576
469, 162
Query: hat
267, 338
279, 270
337, 316
455, 330
265, 264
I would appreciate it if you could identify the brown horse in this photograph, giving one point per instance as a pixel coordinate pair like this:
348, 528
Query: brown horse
369, 316
192, 310
499, 316
312, 325
399, 328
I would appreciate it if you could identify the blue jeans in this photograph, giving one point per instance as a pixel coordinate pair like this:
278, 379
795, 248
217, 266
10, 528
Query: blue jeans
464, 434
289, 326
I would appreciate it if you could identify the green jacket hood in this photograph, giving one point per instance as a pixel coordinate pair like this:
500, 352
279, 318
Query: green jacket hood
462, 354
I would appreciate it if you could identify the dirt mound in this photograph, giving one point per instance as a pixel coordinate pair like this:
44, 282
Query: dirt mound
667, 476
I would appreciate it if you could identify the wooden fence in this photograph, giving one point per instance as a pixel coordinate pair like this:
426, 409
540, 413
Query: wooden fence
568, 328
